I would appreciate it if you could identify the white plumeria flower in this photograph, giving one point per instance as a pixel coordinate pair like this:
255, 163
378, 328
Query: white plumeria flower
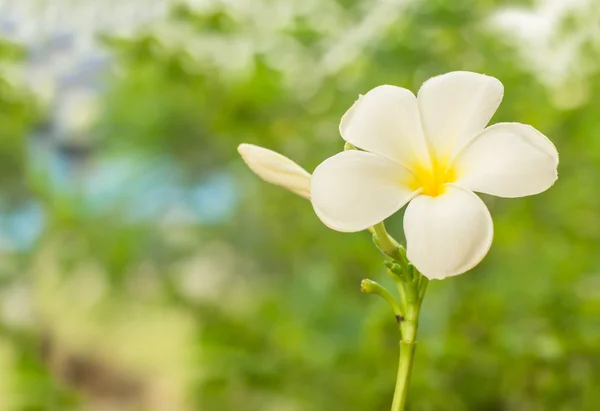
276, 169
433, 151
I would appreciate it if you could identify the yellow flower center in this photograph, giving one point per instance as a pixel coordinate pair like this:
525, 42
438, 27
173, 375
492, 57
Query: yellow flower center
432, 178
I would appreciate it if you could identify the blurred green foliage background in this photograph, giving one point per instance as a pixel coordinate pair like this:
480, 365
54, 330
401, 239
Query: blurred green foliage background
144, 267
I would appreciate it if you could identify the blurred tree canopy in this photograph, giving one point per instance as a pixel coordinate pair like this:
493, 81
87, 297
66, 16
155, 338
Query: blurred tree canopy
164, 266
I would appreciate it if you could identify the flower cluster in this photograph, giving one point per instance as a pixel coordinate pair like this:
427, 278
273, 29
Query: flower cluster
431, 151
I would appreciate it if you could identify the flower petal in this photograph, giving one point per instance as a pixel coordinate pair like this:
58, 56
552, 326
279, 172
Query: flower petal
276, 169
448, 234
354, 190
455, 107
386, 121
508, 160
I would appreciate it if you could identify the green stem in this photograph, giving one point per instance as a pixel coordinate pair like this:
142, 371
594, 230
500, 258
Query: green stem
407, 354
387, 243
414, 297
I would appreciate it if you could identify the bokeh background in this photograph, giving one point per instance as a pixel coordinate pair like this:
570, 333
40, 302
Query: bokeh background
143, 267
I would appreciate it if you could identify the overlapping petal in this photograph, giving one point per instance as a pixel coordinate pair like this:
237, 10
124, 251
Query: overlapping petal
449, 234
386, 121
508, 160
455, 107
276, 169
354, 190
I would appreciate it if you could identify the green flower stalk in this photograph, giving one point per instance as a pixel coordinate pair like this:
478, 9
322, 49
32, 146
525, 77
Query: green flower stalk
411, 286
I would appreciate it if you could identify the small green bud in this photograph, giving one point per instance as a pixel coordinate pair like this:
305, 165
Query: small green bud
371, 287
393, 267
368, 286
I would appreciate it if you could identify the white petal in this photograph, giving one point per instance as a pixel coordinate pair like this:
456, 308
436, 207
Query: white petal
448, 234
386, 121
508, 160
455, 107
354, 190
276, 169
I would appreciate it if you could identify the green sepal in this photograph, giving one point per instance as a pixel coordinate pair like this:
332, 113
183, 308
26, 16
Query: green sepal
349, 146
